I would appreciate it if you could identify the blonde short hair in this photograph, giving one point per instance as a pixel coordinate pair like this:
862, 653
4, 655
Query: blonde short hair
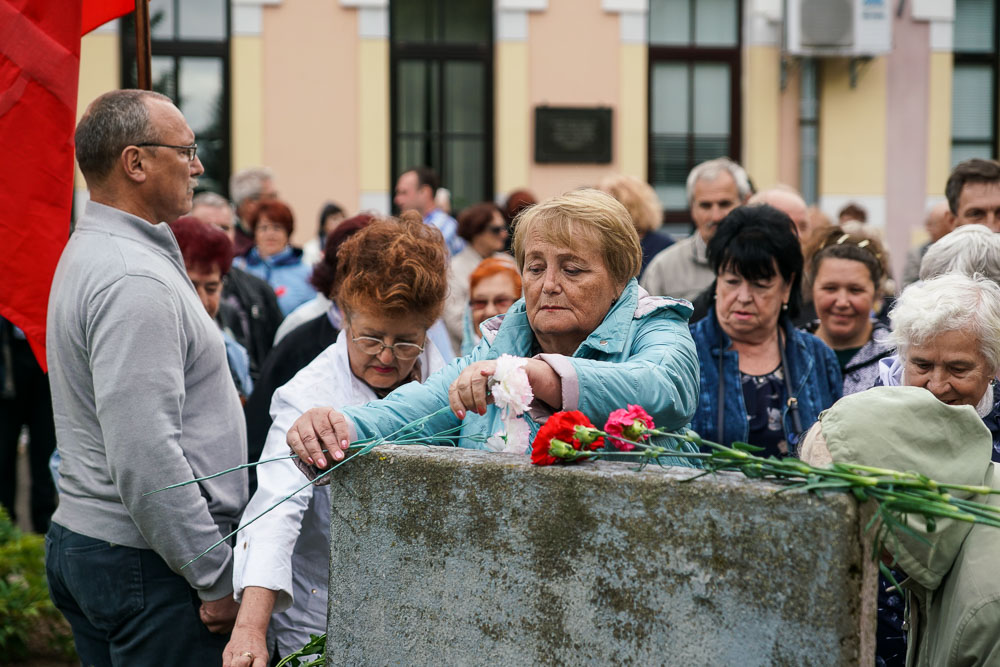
579, 218
638, 198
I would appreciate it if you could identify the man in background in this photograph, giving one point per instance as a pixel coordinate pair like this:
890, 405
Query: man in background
714, 188
415, 191
249, 187
973, 192
787, 200
938, 223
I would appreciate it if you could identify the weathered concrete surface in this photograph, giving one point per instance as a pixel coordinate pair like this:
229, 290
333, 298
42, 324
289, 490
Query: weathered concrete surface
444, 556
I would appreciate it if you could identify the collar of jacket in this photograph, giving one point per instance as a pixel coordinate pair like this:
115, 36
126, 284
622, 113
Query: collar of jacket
511, 333
876, 347
795, 376
109, 220
699, 249
290, 255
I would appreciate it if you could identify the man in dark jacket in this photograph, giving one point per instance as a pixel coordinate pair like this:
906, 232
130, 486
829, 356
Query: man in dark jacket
249, 309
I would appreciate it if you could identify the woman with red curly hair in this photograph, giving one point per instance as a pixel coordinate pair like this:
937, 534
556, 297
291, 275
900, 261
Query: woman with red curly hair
391, 280
273, 259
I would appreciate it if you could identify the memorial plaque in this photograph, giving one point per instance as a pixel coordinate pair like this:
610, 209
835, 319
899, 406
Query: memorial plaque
573, 135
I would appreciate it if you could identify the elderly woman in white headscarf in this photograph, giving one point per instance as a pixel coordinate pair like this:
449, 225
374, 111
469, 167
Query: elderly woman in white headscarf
947, 336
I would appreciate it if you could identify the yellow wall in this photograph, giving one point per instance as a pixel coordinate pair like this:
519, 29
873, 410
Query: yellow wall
761, 114
633, 114
512, 116
373, 124
852, 128
939, 123
99, 73
310, 108
247, 72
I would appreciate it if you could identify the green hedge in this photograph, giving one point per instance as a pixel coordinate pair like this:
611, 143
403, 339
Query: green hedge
29, 622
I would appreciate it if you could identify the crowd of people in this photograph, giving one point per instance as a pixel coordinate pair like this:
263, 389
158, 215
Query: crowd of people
188, 334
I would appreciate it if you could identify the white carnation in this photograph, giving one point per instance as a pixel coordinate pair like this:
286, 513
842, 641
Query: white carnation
517, 435
510, 387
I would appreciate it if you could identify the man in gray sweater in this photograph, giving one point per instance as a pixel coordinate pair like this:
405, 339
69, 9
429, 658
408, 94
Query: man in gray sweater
142, 398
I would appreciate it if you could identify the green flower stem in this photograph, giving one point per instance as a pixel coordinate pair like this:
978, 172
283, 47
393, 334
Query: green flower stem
304, 486
929, 483
362, 449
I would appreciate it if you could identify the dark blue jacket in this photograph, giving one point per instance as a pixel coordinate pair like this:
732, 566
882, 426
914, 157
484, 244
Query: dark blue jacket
812, 367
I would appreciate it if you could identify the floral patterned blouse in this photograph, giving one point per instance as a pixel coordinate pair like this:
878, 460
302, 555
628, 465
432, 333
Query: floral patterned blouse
764, 397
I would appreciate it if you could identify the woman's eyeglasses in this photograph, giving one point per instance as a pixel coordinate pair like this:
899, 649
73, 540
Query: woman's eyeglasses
501, 303
374, 347
496, 229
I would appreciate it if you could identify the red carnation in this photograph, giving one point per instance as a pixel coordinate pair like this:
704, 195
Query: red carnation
561, 427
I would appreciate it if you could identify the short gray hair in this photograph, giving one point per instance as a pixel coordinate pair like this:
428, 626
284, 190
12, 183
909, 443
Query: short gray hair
946, 303
710, 170
113, 121
248, 183
211, 199
969, 249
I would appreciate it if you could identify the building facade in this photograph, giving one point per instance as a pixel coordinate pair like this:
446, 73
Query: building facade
339, 96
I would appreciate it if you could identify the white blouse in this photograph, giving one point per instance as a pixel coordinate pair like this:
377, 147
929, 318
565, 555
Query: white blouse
288, 549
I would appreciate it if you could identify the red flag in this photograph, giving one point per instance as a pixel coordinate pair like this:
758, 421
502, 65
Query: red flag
99, 12
39, 71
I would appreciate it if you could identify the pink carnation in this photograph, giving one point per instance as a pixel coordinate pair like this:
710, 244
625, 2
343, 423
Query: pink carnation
630, 424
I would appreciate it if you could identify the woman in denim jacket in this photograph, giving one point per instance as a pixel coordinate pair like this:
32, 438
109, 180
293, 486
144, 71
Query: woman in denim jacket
762, 380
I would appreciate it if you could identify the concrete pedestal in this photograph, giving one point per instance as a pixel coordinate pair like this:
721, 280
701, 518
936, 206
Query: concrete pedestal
444, 556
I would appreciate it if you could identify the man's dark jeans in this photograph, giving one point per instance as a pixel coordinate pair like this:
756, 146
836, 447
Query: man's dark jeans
125, 605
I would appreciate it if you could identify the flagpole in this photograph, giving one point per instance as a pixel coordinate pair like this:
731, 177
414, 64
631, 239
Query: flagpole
143, 49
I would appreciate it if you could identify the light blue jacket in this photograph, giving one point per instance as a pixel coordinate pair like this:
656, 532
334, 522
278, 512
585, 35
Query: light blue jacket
285, 272
642, 353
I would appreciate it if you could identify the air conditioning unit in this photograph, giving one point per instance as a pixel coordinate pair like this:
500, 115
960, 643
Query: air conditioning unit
838, 27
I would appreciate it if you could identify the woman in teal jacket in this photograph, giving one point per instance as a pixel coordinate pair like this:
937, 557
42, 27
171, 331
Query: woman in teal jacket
762, 380
592, 340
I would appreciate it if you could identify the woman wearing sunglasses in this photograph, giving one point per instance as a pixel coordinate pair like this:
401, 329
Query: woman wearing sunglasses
493, 288
485, 233
391, 287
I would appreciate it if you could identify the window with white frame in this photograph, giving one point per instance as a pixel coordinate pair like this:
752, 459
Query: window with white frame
189, 40
694, 98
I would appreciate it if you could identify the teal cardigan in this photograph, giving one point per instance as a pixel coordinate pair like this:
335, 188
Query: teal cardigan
641, 353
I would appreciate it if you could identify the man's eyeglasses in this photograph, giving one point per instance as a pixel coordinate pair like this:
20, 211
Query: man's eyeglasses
501, 303
188, 151
374, 347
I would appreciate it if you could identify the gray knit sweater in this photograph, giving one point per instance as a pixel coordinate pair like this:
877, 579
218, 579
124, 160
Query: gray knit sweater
142, 398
